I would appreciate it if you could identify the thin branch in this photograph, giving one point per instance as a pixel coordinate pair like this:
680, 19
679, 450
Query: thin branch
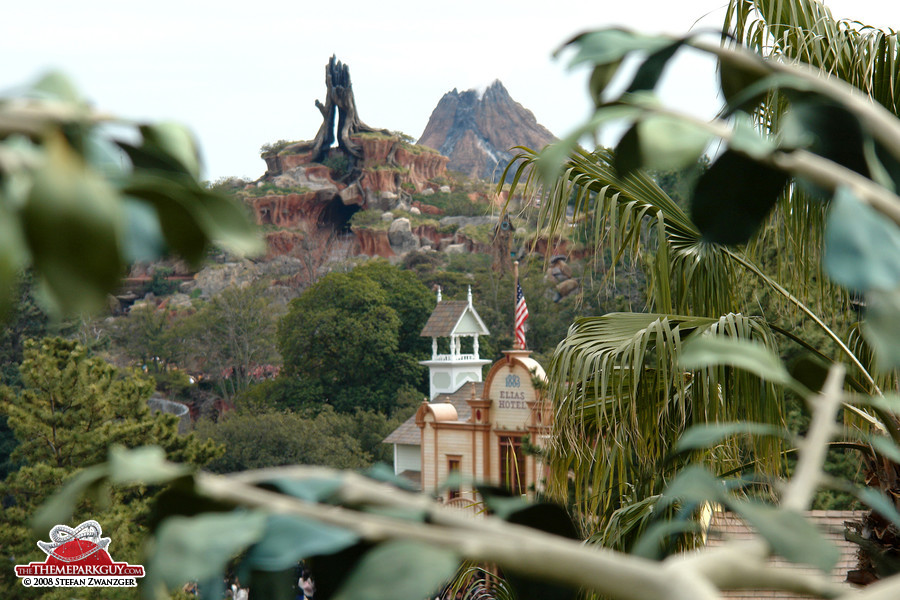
802, 487
807, 311
883, 124
743, 565
513, 547
695, 576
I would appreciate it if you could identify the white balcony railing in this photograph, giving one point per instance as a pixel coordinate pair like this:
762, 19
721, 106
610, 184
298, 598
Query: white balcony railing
453, 357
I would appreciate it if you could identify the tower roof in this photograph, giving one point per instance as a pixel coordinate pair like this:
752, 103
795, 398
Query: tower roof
454, 317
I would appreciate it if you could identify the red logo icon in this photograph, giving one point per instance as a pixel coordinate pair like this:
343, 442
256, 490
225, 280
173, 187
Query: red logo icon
78, 557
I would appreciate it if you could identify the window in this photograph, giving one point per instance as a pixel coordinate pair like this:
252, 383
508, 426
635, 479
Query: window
512, 464
454, 465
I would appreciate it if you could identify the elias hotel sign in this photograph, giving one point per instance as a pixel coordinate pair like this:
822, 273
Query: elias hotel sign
512, 397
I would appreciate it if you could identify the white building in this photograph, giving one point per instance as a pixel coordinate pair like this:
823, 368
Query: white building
473, 427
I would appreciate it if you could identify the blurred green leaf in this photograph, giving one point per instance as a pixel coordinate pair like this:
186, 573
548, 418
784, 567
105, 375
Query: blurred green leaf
385, 474
747, 98
13, 255
176, 141
553, 156
601, 76
627, 157
150, 158
882, 327
500, 501
181, 498
811, 372
103, 155
733, 197
311, 490
826, 128
288, 539
706, 436
789, 535
330, 571
550, 518
878, 502
890, 164
67, 206
143, 239
183, 234
611, 45
273, 585
547, 517
889, 402
227, 223
707, 351
669, 143
57, 86
862, 248
884, 446
747, 139
199, 548
694, 485
650, 543
652, 68
146, 465
735, 78
400, 570
61, 505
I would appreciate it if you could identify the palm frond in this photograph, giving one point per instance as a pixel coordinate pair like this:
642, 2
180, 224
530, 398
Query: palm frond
805, 30
621, 398
686, 275
865, 57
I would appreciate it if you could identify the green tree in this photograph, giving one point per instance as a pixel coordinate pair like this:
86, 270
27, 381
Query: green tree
71, 409
153, 337
341, 339
233, 335
411, 300
269, 438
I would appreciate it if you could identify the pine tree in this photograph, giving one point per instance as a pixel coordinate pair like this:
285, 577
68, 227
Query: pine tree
71, 409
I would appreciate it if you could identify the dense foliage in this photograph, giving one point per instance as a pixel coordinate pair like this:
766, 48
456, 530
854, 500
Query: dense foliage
348, 326
70, 410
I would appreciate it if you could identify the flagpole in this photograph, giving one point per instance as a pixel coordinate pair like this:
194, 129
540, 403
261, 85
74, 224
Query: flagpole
516, 345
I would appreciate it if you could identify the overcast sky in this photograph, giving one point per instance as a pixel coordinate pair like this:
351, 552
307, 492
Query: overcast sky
241, 74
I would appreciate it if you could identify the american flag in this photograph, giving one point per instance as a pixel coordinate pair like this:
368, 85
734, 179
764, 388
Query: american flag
521, 316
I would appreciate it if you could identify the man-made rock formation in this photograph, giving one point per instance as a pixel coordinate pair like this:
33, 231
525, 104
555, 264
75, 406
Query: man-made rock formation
559, 275
312, 189
402, 238
314, 185
476, 131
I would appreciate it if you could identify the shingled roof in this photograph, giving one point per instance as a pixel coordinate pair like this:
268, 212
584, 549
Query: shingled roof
444, 318
728, 526
409, 433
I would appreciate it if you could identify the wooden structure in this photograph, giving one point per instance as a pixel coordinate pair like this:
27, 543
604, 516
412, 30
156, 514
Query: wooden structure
479, 430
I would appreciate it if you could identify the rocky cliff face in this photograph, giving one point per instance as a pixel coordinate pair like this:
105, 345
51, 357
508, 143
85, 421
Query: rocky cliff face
476, 131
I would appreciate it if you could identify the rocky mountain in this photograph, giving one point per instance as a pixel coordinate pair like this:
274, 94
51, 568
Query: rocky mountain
477, 130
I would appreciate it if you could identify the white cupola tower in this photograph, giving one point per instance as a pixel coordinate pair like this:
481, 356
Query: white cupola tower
456, 320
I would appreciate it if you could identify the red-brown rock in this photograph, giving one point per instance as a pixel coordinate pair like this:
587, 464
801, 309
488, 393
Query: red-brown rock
427, 209
373, 242
290, 210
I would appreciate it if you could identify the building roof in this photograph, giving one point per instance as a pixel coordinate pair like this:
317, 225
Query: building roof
728, 526
444, 318
409, 434
447, 315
